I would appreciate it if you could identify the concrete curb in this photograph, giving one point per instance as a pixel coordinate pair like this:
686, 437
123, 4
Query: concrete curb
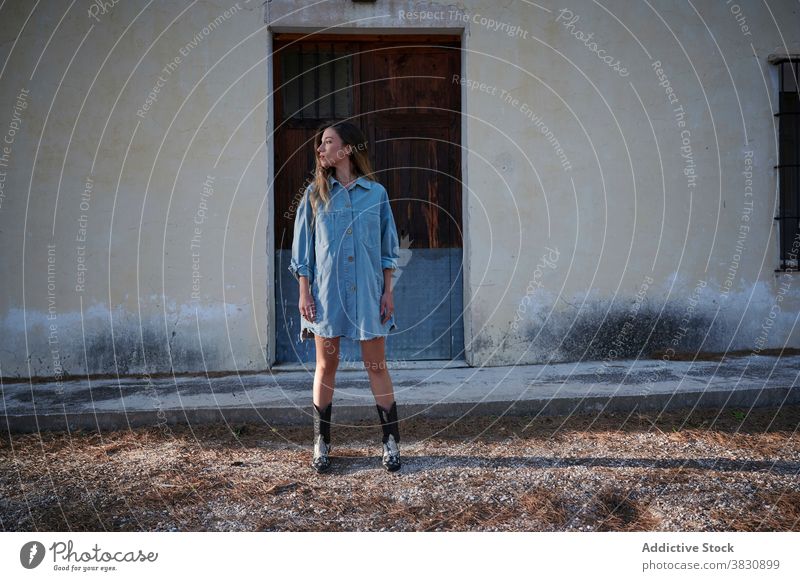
298, 416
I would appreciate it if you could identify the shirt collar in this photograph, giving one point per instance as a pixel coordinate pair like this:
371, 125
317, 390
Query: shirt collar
361, 180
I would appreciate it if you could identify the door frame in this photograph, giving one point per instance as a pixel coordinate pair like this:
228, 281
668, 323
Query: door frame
417, 35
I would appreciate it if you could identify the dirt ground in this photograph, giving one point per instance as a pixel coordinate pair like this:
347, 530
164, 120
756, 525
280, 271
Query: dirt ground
702, 471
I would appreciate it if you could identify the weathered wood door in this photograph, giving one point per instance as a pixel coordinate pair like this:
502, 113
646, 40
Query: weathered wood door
400, 91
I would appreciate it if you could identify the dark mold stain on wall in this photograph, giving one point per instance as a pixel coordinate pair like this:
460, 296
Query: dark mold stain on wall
150, 350
595, 334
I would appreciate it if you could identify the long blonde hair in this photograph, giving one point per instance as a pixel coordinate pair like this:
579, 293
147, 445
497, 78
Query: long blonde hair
359, 156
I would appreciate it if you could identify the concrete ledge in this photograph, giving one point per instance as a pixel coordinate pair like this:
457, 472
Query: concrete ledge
284, 398
297, 416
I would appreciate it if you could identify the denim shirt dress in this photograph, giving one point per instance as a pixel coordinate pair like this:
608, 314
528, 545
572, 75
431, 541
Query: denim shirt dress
343, 251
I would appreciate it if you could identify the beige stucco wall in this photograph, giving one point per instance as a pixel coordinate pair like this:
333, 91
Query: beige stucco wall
562, 230
125, 250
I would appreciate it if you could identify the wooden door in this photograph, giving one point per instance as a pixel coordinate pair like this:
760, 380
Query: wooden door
399, 90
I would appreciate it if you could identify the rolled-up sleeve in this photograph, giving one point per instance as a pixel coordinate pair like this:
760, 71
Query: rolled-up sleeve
390, 244
303, 259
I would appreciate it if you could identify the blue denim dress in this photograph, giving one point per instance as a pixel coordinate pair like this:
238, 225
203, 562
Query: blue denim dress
343, 251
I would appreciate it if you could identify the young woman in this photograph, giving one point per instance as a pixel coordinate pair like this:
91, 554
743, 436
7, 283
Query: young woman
344, 251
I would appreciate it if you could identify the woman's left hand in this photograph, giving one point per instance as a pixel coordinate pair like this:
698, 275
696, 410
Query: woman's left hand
387, 306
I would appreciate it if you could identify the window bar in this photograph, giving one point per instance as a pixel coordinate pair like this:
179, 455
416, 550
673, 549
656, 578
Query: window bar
301, 110
332, 72
316, 80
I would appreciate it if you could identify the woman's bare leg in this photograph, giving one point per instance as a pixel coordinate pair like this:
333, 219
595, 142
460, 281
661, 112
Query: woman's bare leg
374, 354
325, 372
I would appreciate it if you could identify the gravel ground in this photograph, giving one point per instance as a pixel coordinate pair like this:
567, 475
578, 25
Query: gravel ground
704, 471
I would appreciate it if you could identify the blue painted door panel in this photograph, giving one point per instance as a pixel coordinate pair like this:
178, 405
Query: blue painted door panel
428, 297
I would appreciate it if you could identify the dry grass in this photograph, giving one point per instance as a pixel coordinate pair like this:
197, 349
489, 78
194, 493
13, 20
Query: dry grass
617, 511
545, 505
769, 510
706, 471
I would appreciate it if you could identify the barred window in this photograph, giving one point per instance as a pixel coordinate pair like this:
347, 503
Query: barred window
316, 82
789, 163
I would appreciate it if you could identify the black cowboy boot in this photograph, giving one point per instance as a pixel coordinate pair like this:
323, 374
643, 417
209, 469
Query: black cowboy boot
391, 437
322, 437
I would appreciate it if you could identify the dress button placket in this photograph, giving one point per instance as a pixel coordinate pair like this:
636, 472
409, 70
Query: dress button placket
349, 249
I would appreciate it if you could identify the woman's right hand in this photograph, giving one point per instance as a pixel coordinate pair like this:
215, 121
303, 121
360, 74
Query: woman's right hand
307, 307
